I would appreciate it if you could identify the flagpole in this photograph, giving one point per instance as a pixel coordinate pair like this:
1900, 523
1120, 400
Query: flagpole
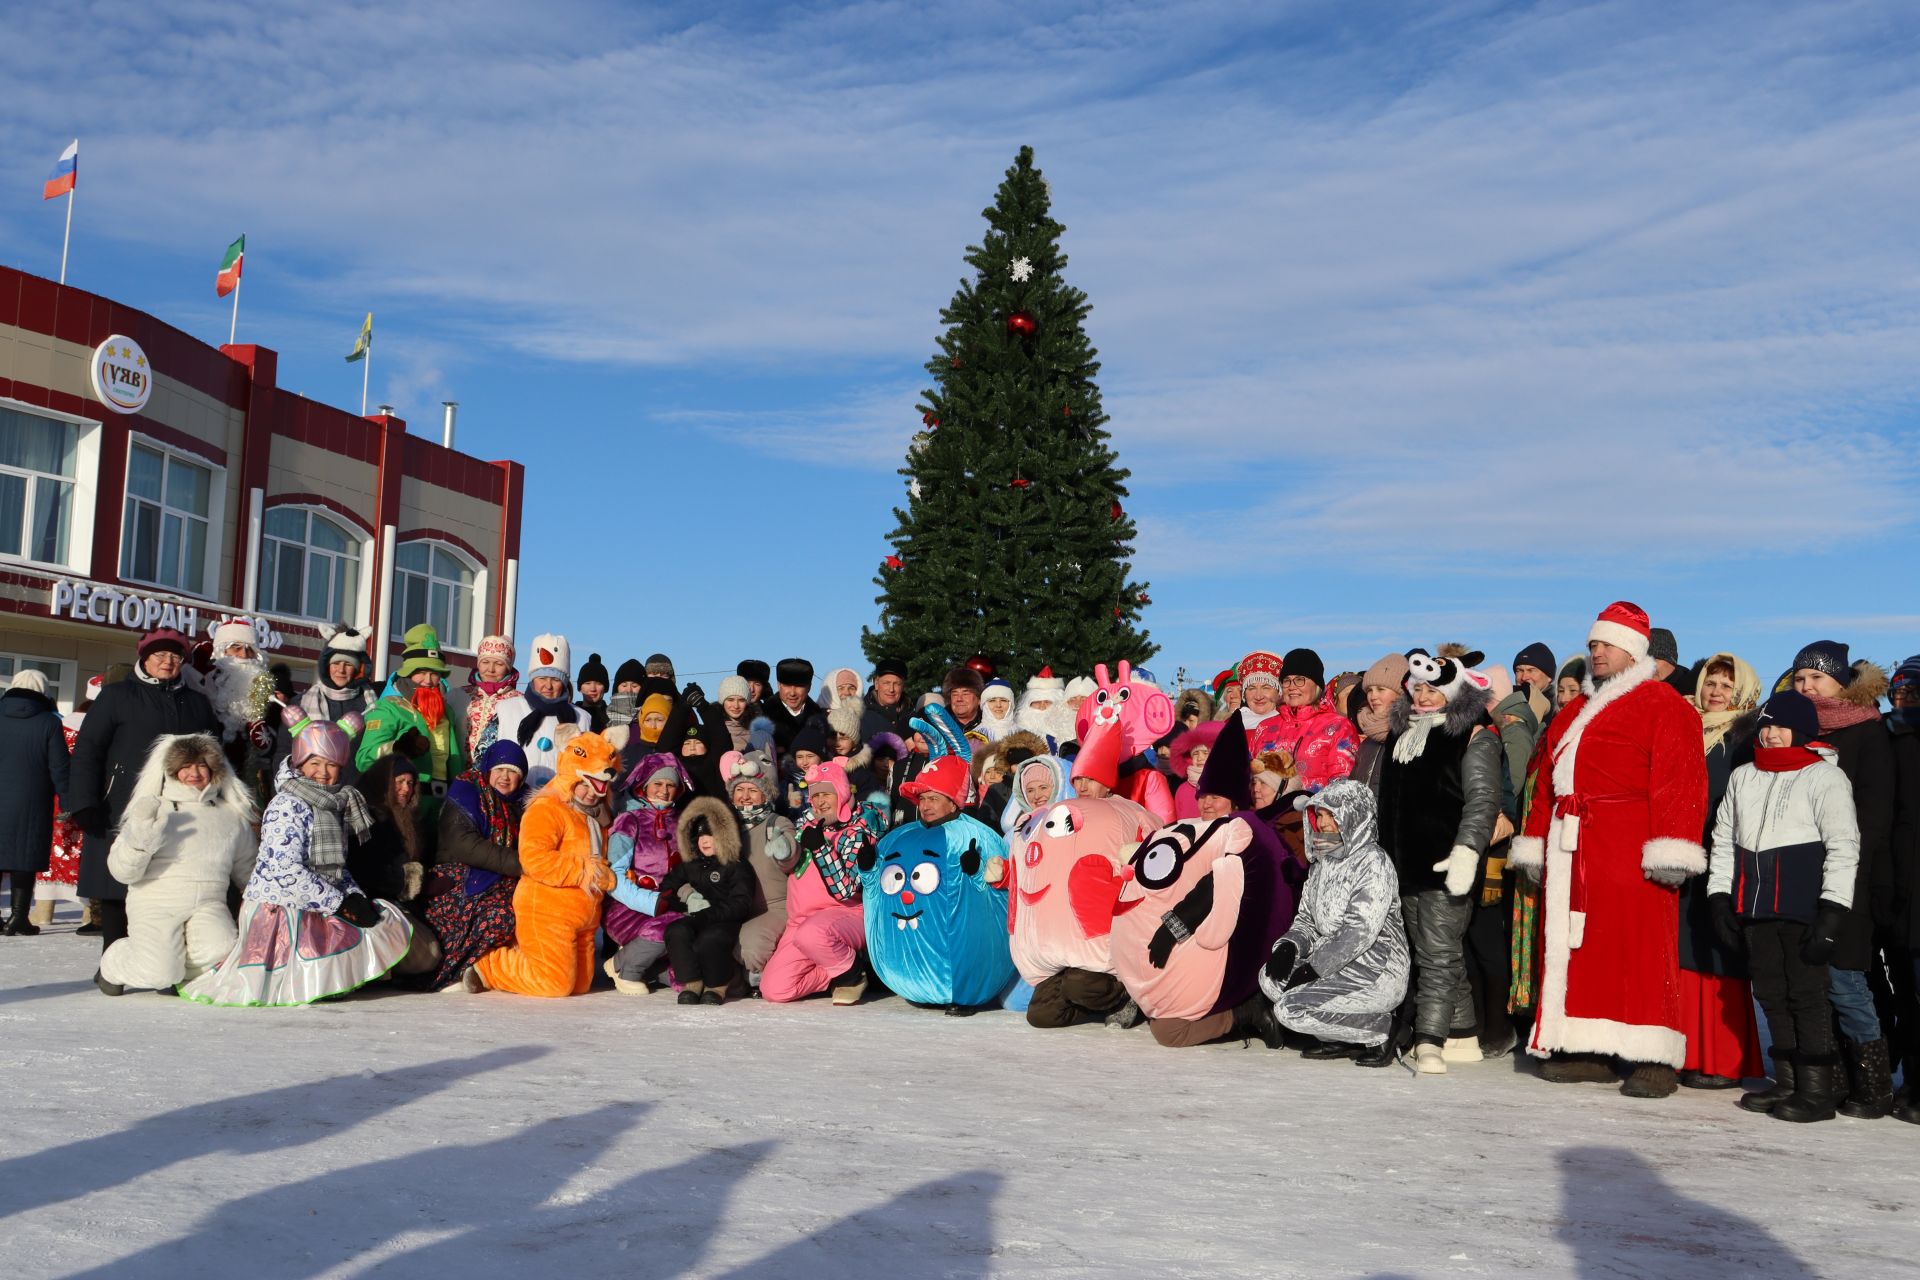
67, 240
366, 364
234, 327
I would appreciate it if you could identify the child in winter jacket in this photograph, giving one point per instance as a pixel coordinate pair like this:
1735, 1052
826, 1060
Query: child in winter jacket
714, 887
1781, 878
641, 850
1340, 970
186, 836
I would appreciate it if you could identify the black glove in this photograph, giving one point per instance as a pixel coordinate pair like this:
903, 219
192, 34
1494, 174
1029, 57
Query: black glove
814, 838
1825, 934
1280, 963
412, 744
1179, 923
1726, 924
694, 696
356, 910
1301, 977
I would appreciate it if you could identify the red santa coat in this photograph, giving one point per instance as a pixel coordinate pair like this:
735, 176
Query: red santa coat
1623, 790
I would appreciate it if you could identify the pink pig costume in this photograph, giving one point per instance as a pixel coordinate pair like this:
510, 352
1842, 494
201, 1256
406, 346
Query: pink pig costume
1069, 870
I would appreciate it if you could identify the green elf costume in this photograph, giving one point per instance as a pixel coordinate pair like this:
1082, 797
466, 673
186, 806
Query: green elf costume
413, 719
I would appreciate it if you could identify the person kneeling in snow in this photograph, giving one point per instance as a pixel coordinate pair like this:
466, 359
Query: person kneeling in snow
1340, 970
187, 834
307, 931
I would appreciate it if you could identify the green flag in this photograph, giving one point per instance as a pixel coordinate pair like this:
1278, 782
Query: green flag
364, 343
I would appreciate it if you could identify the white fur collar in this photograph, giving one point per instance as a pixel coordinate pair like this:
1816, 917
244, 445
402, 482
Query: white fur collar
1597, 701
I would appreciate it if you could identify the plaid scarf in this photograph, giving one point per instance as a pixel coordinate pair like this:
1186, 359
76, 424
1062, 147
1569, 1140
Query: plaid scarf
838, 856
335, 809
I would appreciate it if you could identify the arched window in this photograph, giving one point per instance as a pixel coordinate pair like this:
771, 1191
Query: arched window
434, 583
309, 566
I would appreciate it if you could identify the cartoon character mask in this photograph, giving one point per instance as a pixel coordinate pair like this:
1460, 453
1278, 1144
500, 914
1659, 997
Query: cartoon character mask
936, 930
1069, 869
588, 758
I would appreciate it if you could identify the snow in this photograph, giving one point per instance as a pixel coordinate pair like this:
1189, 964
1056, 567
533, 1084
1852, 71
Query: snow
483, 1136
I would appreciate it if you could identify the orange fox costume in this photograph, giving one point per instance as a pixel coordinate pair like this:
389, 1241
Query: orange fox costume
556, 907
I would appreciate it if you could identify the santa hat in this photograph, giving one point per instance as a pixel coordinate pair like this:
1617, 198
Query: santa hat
1046, 685
1261, 667
1099, 758
947, 776
230, 631
551, 657
1624, 626
1229, 770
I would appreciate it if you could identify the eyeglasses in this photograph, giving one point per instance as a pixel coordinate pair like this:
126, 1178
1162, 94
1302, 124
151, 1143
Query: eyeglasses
1296, 682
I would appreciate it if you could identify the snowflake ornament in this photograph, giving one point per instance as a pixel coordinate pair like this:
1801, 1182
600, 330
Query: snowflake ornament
1022, 270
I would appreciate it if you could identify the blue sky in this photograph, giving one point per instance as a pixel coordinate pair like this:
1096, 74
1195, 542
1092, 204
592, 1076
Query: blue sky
1419, 322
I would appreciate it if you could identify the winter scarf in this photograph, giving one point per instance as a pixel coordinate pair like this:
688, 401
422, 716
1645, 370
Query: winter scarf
753, 815
1390, 673
482, 697
1413, 743
839, 852
1839, 713
1373, 724
1784, 759
492, 817
539, 710
336, 809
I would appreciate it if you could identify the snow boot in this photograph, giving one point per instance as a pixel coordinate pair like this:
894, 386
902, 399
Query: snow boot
1578, 1068
710, 996
1816, 1082
1870, 1080
1906, 1108
850, 986
471, 982
1499, 1046
1126, 1017
1429, 1060
1462, 1047
1701, 1080
1650, 1080
1328, 1050
1253, 1019
1785, 1071
1388, 1051
107, 988
688, 996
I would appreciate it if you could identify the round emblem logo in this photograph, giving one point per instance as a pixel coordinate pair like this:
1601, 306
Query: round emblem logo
122, 380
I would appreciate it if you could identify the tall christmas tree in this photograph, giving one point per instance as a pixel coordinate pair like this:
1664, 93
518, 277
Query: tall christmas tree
1014, 541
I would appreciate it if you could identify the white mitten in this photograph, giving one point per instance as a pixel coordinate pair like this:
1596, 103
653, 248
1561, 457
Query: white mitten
1459, 866
695, 902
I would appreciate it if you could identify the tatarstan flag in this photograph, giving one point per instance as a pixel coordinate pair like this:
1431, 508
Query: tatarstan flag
229, 278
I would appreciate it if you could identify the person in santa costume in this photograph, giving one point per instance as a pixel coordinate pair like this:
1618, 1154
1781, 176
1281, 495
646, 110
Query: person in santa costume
1614, 830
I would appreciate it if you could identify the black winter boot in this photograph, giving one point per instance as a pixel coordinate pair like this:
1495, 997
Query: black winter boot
1785, 1068
1869, 1080
1388, 1051
1816, 1081
1253, 1019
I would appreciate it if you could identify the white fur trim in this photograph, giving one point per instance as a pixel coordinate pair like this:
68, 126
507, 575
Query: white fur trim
1620, 637
1681, 855
1608, 694
1528, 852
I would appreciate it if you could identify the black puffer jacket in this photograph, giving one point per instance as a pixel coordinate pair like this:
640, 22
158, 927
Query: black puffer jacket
727, 887
1865, 754
33, 760
119, 730
1447, 797
1701, 950
1905, 850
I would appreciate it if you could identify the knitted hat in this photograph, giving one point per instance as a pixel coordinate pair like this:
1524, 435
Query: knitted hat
30, 680
550, 657
797, 672
420, 651
889, 667
732, 687
659, 664
1305, 662
754, 671
1794, 712
1260, 667
1662, 647
947, 776
1046, 685
505, 753
231, 631
162, 638
812, 737
1388, 673
845, 719
1099, 758
1624, 626
1905, 676
1828, 657
594, 671
1535, 655
961, 677
322, 738
1228, 771
629, 672
496, 647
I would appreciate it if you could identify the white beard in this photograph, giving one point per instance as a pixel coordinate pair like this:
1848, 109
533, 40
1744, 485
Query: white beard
239, 691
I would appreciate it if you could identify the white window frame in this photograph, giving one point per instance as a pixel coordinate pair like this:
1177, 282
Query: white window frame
86, 490
362, 603
216, 516
476, 620
69, 673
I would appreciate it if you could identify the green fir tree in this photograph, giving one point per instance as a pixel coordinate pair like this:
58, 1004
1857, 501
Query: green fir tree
1014, 542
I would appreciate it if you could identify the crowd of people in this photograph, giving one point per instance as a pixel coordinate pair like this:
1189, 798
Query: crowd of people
1608, 862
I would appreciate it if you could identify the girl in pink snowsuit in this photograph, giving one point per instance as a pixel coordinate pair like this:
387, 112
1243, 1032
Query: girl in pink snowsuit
826, 926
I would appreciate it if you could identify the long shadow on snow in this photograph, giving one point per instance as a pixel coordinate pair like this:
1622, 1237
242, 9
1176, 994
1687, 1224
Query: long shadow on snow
44, 991
942, 1227
495, 1193
1620, 1217
271, 1120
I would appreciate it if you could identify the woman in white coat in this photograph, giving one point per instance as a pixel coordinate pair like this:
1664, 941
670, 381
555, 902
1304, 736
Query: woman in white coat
186, 835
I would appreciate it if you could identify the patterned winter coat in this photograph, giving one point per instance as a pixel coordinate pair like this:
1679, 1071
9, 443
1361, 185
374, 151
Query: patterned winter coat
281, 875
1322, 742
1348, 928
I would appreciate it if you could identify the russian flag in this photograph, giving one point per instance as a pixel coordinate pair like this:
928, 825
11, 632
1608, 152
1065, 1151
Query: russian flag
66, 173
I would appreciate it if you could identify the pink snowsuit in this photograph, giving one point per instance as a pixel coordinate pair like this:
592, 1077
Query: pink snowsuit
821, 939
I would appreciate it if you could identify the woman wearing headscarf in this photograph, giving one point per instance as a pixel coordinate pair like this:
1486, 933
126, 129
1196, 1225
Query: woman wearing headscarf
1716, 995
468, 897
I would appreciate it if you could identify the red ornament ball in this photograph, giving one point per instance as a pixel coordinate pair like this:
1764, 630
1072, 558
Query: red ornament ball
1145, 598
1022, 482
1114, 512
1022, 324
980, 663
895, 563
929, 419
1117, 612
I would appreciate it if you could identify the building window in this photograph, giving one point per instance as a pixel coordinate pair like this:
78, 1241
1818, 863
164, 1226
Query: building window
60, 684
433, 584
309, 566
163, 541
38, 460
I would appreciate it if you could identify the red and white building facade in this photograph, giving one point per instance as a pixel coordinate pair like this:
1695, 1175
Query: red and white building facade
147, 478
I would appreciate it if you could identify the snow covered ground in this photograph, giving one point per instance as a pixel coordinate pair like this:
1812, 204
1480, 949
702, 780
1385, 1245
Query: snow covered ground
484, 1136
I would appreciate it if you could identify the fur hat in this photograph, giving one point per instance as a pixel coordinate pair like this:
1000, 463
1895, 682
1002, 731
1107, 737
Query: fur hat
998, 688
795, 672
705, 816
1828, 657
732, 687
961, 677
1081, 687
1662, 647
1276, 768
1201, 737
890, 667
1260, 667
173, 752
1623, 625
1193, 702
755, 671
659, 664
594, 671
551, 657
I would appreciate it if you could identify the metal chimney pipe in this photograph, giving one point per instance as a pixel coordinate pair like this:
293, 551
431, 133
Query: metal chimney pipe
383, 410
446, 428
